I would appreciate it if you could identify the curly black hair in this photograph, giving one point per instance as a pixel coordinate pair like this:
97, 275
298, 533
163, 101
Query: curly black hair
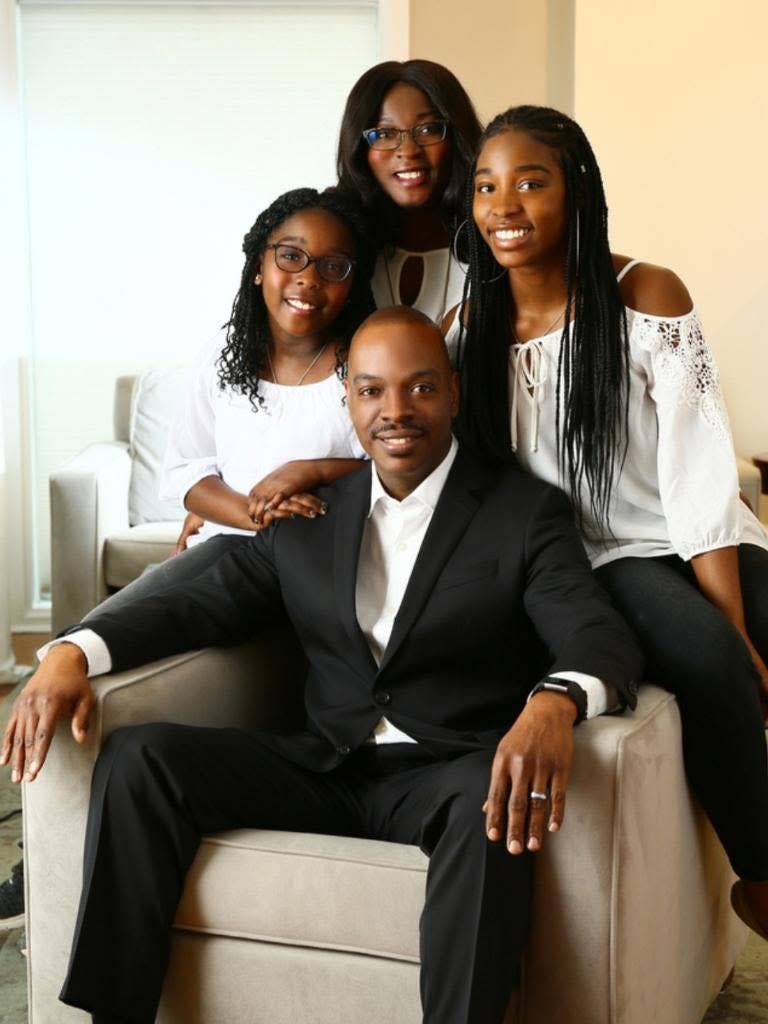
450, 100
593, 367
248, 340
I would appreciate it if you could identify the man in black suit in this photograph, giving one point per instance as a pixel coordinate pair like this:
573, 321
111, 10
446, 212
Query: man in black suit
431, 599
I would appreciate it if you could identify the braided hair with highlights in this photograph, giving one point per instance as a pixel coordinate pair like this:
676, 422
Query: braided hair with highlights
593, 364
248, 339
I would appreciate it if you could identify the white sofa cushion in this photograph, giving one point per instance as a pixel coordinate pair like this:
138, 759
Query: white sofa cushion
155, 396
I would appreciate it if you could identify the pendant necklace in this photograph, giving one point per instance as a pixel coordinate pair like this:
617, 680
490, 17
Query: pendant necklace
301, 379
549, 330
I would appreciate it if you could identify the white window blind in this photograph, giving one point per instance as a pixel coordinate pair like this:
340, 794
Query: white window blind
155, 132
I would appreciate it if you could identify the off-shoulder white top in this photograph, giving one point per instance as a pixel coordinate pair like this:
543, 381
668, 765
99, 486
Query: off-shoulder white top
677, 491
218, 433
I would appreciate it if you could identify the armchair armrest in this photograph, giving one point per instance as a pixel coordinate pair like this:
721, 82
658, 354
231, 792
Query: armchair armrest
89, 500
258, 684
749, 482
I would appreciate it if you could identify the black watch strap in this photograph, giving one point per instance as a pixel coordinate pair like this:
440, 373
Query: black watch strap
577, 693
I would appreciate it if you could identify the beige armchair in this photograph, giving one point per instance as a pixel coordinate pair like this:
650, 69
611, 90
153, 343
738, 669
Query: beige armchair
107, 521
632, 922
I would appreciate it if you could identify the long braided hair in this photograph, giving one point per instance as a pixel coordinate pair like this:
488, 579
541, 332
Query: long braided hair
593, 364
248, 339
450, 100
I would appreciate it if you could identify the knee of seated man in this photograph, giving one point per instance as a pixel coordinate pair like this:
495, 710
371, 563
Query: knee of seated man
465, 789
130, 751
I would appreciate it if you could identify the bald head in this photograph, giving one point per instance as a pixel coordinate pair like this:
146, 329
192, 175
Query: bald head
402, 395
397, 324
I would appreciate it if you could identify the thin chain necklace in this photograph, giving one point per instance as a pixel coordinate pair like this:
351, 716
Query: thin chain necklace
549, 330
410, 255
301, 379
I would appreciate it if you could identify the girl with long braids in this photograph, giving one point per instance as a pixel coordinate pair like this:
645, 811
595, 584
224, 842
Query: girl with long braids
407, 138
592, 370
265, 405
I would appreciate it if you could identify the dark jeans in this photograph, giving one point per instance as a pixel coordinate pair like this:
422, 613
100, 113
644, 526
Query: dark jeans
158, 788
695, 653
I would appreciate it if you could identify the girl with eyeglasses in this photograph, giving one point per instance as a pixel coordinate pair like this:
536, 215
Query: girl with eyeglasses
407, 138
263, 420
593, 371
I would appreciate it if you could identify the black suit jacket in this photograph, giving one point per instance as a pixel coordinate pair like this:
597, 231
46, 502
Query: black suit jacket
500, 593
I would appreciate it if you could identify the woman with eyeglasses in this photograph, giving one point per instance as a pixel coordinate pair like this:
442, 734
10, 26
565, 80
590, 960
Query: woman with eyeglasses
407, 138
263, 420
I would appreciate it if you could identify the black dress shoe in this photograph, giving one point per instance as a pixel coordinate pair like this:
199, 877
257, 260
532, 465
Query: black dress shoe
741, 905
12, 899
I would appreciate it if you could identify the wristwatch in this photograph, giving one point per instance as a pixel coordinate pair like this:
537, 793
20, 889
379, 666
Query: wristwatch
577, 693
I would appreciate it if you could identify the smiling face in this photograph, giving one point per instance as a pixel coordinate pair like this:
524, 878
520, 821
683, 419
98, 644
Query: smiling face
411, 175
402, 396
519, 203
303, 306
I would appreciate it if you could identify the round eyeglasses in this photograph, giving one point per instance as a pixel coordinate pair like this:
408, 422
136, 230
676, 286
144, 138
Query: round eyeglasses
293, 260
427, 134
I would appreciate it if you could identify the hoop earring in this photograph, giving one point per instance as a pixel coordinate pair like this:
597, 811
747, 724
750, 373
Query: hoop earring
578, 237
497, 278
454, 247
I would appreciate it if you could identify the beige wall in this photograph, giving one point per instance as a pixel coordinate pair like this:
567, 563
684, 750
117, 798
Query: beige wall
504, 51
673, 97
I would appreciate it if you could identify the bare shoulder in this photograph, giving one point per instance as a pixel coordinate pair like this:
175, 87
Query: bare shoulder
651, 289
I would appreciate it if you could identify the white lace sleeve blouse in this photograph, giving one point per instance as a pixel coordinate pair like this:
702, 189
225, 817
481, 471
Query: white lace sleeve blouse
678, 490
219, 433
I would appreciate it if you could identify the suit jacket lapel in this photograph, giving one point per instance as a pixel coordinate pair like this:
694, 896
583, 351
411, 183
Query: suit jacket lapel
351, 514
455, 508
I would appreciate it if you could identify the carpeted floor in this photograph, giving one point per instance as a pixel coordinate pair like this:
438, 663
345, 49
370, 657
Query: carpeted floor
745, 1002
13, 965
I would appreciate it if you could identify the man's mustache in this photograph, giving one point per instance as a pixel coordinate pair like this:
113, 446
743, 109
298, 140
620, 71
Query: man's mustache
394, 425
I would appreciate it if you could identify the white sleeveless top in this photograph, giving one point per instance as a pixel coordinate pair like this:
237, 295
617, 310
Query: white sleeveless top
442, 284
678, 490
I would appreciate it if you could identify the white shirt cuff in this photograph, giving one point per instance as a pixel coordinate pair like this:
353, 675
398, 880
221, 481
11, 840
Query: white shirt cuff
93, 647
599, 696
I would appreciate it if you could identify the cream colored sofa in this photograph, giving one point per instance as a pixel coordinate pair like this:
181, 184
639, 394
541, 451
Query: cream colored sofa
632, 923
107, 524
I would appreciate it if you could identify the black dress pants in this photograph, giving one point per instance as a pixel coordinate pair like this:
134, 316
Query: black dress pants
158, 788
694, 652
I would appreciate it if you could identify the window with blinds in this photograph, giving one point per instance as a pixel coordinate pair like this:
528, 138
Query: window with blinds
155, 132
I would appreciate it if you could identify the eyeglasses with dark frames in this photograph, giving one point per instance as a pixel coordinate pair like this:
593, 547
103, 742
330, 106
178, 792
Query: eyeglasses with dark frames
427, 134
293, 260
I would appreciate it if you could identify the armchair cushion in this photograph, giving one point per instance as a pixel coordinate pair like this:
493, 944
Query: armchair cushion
128, 552
155, 395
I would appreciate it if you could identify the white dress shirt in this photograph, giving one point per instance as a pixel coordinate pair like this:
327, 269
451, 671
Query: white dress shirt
392, 537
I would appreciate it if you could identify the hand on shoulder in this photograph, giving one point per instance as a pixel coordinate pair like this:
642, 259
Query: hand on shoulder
655, 290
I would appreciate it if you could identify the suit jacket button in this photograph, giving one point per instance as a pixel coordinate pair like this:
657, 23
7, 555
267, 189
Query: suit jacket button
344, 750
382, 697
